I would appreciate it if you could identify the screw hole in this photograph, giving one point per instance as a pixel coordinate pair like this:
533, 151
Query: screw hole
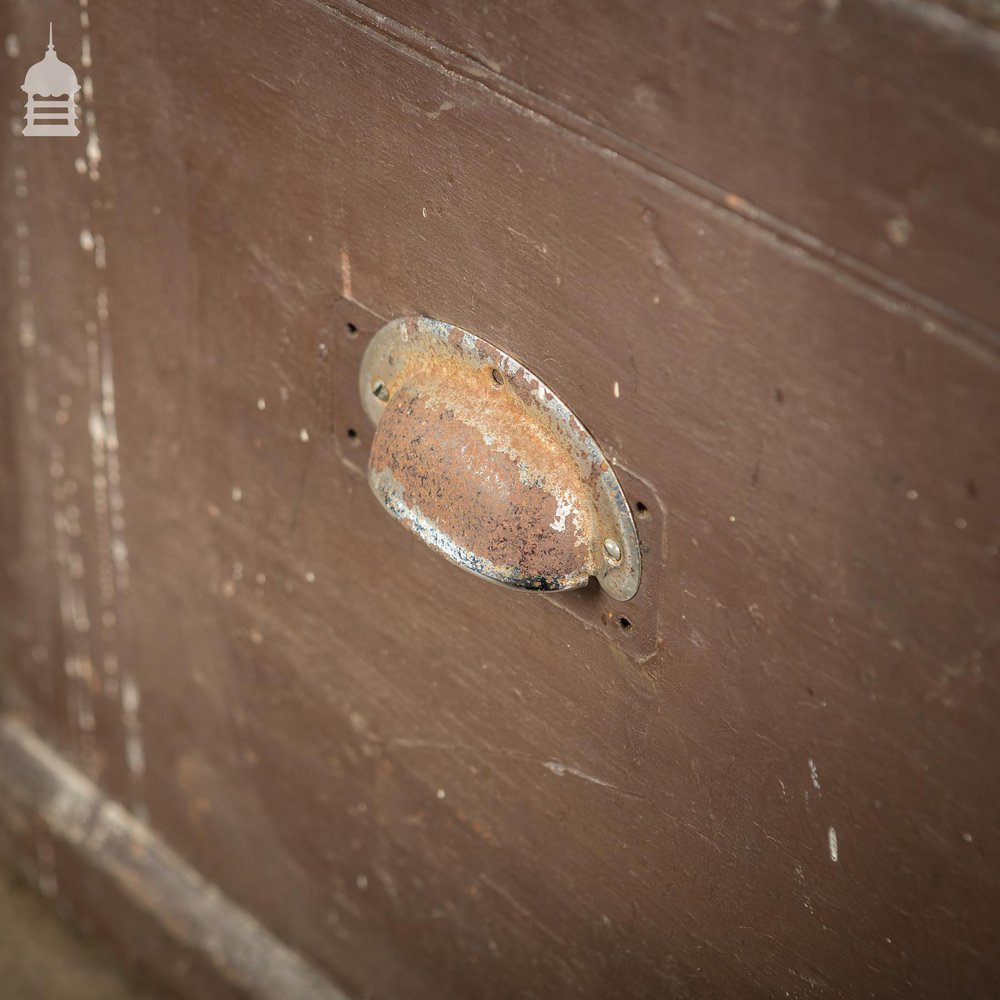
625, 624
350, 329
497, 376
380, 390
352, 435
641, 509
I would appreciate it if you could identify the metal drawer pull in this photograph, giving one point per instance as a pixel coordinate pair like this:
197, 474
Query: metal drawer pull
480, 459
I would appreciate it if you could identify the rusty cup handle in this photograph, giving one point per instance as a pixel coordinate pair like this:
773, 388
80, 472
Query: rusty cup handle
484, 462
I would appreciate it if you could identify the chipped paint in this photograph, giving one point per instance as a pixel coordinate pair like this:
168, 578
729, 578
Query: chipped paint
79, 821
116, 677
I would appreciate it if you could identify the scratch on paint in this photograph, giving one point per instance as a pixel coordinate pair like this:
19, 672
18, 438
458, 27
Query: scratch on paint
76, 626
562, 769
65, 522
345, 273
831, 837
109, 502
814, 774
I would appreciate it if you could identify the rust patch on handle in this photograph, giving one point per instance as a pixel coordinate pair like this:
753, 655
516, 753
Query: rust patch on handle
481, 460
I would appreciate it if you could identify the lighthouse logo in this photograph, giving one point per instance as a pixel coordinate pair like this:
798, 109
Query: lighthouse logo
51, 87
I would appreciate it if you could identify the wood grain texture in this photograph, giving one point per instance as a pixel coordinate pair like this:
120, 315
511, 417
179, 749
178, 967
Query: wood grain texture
426, 785
868, 125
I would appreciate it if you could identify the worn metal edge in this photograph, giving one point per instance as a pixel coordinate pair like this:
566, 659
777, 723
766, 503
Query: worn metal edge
37, 782
390, 492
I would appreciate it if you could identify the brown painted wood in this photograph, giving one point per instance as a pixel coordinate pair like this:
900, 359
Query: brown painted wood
429, 786
869, 126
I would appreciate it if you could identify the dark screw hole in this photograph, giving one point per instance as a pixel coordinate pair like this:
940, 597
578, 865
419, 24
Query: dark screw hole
352, 435
351, 329
497, 376
625, 624
641, 509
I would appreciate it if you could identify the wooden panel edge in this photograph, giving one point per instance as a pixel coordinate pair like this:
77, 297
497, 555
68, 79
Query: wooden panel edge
233, 953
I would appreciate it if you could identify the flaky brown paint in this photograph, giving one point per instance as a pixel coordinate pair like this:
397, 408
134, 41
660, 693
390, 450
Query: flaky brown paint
434, 789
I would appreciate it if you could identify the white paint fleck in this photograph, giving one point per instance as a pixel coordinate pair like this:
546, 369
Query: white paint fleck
732, 518
563, 510
261, 404
440, 793
362, 882
12, 46
135, 755
814, 774
967, 837
617, 391
303, 435
130, 696
345, 273
961, 523
119, 552
237, 494
93, 151
831, 837
912, 494
310, 576
87, 240
899, 230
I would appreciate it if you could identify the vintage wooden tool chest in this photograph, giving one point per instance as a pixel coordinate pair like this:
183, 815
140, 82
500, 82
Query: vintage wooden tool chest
272, 743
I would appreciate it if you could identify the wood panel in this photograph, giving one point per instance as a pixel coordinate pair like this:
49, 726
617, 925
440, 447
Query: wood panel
865, 131
425, 785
